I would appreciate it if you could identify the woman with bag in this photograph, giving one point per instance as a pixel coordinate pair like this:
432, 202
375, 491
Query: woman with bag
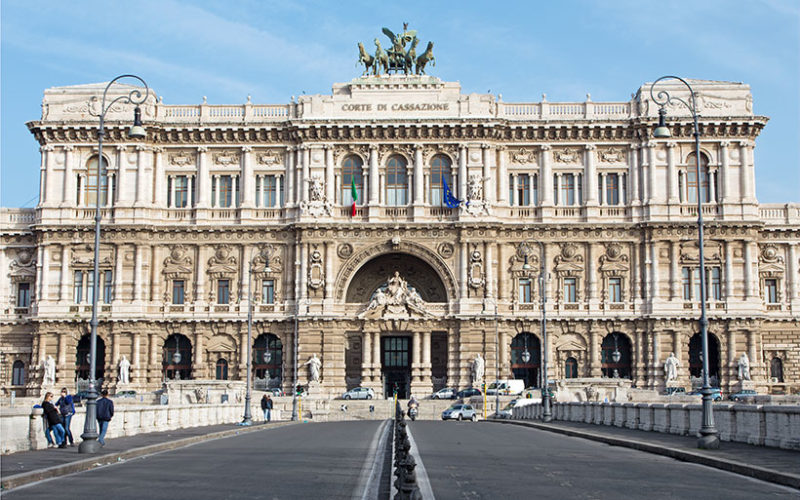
66, 407
54, 419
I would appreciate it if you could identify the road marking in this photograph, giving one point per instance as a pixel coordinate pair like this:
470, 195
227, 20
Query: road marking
422, 475
369, 482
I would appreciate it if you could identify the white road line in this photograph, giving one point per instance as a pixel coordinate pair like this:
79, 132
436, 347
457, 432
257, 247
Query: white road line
372, 470
422, 475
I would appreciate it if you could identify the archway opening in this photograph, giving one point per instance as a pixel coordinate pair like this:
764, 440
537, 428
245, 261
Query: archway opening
177, 361
396, 366
268, 361
696, 359
526, 359
376, 273
616, 356
83, 358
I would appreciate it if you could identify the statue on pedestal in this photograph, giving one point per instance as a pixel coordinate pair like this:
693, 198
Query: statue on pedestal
314, 364
744, 367
124, 371
671, 367
478, 365
49, 366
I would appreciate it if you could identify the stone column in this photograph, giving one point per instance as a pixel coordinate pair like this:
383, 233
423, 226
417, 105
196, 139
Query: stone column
137, 273
198, 364
47, 178
305, 155
416, 364
501, 278
419, 188
488, 186
373, 176
792, 268
203, 178
731, 366
672, 174
602, 189
376, 355
674, 275
303, 271
752, 353
595, 368
68, 195
502, 175
654, 275
44, 278
650, 196
633, 167
200, 277
748, 269
547, 177
289, 156
62, 356
141, 180
557, 190
153, 365
64, 281
366, 350
462, 272
656, 361
136, 357
489, 267
462, 171
329, 277
426, 351
746, 173
591, 176
724, 188
248, 185
728, 276
504, 358
243, 354
591, 272
160, 182
712, 185
329, 182
119, 258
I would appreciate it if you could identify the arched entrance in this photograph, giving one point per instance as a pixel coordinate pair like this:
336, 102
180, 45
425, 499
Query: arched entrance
696, 358
376, 273
177, 360
526, 358
268, 361
82, 360
615, 358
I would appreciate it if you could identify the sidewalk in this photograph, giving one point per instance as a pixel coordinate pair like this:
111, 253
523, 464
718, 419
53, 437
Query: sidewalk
774, 465
26, 467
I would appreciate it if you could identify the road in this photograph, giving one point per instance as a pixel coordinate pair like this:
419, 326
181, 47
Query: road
462, 460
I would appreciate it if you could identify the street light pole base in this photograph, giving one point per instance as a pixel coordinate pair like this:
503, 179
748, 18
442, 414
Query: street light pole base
708, 441
246, 422
89, 446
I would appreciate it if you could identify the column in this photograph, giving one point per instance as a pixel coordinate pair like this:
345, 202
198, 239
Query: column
591, 176
623, 185
656, 360
141, 180
419, 188
43, 295
650, 195
62, 352
137, 273
373, 175
674, 277
416, 355
198, 364
215, 192
502, 175
68, 194
248, 179
557, 188
152, 362
653, 270
63, 293
119, 257
110, 194
752, 352
749, 171
672, 175
725, 191
136, 357
731, 364
489, 265
595, 368
488, 188
503, 357
748, 270
329, 277
48, 180
200, 296
203, 178
462, 172
426, 350
366, 349
792, 268
160, 182
82, 191
712, 185
376, 353
728, 276
243, 354
514, 184
305, 157
546, 178
290, 176
744, 188
602, 189
591, 279
462, 271
329, 182
303, 271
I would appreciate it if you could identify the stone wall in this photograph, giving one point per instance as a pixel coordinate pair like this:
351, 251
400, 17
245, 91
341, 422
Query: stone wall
764, 425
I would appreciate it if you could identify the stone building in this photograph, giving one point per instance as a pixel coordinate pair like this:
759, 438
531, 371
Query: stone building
226, 206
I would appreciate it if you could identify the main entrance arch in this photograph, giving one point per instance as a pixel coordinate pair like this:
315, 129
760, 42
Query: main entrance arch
376, 273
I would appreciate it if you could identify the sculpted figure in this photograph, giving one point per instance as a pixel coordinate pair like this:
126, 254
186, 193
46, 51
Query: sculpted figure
478, 365
49, 371
124, 371
317, 189
366, 59
671, 367
425, 58
314, 364
744, 367
379, 299
475, 188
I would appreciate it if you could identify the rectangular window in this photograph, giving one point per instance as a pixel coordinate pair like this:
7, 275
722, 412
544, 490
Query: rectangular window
177, 291
612, 189
225, 191
615, 289
570, 289
223, 292
771, 290
523, 190
268, 291
535, 189
716, 283
23, 294
687, 283
270, 191
525, 295
108, 287
568, 189
181, 191
78, 287
696, 283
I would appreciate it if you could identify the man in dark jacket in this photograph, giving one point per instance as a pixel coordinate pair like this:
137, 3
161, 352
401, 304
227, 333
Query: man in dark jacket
105, 411
66, 408
54, 419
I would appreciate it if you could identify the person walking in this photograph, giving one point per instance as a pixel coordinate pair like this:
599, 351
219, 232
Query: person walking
66, 407
105, 412
268, 410
54, 420
264, 407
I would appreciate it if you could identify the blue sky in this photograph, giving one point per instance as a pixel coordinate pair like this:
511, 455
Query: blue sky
271, 50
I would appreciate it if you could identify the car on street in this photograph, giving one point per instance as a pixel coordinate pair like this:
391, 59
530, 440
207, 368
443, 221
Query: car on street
460, 411
468, 393
674, 391
124, 394
446, 393
359, 393
743, 395
507, 411
716, 394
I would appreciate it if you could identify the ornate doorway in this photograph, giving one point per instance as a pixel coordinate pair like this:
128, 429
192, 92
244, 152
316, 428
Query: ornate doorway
526, 358
396, 366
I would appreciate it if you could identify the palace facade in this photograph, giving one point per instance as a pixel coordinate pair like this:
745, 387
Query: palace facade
223, 208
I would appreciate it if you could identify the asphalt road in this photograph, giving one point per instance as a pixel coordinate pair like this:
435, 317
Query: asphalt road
463, 460
466, 460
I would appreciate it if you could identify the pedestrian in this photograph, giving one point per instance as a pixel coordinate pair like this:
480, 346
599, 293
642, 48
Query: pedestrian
268, 410
66, 407
105, 411
264, 406
46, 427
54, 420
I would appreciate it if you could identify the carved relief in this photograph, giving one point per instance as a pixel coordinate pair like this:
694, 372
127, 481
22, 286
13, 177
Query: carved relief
690, 253
271, 157
771, 263
611, 155
566, 155
344, 250
316, 274
476, 276
227, 158
522, 156
318, 204
446, 250
395, 300
181, 159
222, 265
23, 268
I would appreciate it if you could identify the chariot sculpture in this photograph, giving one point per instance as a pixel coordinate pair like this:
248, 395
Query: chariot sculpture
397, 58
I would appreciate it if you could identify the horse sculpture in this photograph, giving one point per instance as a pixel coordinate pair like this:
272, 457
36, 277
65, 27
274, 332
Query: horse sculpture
365, 59
381, 59
411, 56
425, 58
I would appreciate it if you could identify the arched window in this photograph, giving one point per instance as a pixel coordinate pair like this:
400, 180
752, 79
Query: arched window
18, 373
352, 173
177, 361
88, 184
222, 369
689, 185
696, 358
775, 369
396, 181
571, 368
440, 170
615, 356
83, 358
526, 366
268, 358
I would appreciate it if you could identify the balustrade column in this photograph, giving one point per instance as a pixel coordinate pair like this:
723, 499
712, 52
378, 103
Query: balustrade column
591, 176
373, 176
547, 178
502, 175
674, 278
462, 172
724, 188
203, 178
68, 193
418, 176
248, 178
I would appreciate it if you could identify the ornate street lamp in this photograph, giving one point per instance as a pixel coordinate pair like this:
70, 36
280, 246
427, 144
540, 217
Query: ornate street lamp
709, 437
137, 131
547, 415
247, 418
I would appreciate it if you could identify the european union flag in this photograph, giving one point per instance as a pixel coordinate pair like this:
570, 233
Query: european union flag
449, 200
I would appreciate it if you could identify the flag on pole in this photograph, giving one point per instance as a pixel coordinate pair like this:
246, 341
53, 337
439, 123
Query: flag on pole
449, 200
354, 195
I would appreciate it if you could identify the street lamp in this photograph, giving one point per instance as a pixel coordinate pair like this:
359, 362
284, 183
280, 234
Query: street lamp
137, 131
709, 437
547, 415
247, 418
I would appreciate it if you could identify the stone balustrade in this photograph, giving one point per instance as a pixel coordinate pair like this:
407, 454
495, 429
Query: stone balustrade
765, 425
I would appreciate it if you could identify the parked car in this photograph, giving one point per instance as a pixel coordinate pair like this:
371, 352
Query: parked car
742, 395
460, 411
675, 391
716, 394
446, 393
359, 393
468, 393
275, 391
124, 394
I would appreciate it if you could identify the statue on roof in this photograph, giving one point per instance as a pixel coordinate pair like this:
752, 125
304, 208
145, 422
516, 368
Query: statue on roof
397, 57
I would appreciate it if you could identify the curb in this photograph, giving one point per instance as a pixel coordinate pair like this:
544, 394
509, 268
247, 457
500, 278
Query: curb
769, 475
17, 480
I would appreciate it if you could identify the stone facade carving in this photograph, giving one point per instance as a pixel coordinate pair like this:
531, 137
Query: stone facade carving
395, 300
318, 204
222, 266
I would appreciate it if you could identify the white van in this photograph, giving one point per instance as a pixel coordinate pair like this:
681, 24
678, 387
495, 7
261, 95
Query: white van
506, 387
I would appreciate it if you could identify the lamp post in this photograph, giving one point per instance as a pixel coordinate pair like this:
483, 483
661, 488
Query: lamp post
137, 131
247, 418
547, 414
709, 437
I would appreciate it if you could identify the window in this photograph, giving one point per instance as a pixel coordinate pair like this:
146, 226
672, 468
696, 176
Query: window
523, 197
23, 294
93, 179
571, 368
615, 289
612, 189
568, 189
691, 283
396, 182
268, 291
570, 290
775, 370
226, 196
771, 290
89, 287
108, 287
716, 283
689, 187
352, 172
223, 291
78, 287
222, 369
178, 194
267, 191
18, 373
525, 288
440, 169
687, 283
178, 292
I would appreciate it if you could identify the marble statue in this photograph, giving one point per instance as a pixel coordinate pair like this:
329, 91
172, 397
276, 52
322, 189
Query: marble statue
49, 371
314, 364
744, 367
478, 365
124, 371
671, 367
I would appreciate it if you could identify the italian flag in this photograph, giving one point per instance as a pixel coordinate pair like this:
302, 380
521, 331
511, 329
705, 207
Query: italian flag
354, 195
